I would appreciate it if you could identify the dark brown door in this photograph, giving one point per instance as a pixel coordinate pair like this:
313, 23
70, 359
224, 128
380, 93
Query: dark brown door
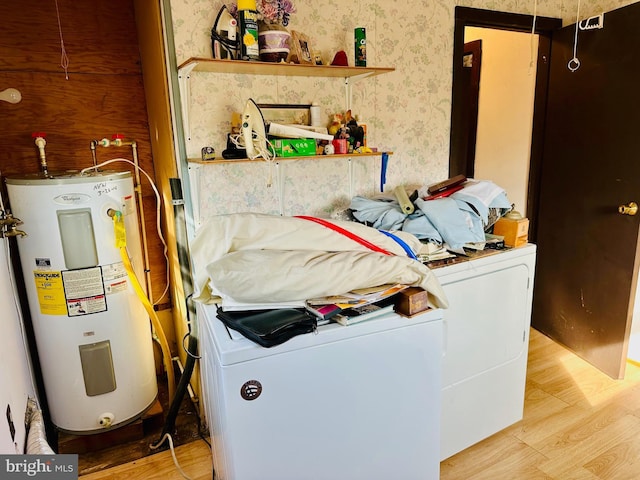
588, 251
466, 113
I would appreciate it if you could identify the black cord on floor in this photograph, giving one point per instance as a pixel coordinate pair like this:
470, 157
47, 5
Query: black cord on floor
201, 433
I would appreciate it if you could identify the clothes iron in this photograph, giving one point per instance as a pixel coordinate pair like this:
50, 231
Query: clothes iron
254, 132
224, 42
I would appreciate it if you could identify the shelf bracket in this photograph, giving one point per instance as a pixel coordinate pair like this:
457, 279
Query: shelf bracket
195, 180
184, 84
348, 86
350, 170
280, 178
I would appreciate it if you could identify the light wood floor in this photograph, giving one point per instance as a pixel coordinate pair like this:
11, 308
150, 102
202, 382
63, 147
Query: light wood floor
194, 458
578, 425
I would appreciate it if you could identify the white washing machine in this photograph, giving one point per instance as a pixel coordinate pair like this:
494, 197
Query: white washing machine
486, 344
344, 403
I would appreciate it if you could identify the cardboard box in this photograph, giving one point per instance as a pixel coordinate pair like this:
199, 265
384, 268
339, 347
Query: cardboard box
411, 301
294, 147
514, 231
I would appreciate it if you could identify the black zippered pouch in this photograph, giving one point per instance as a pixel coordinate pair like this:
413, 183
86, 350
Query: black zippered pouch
269, 328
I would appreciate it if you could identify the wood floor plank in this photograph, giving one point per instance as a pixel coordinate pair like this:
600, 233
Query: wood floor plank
575, 473
613, 390
537, 432
573, 388
539, 404
194, 459
498, 457
576, 425
620, 462
567, 455
629, 399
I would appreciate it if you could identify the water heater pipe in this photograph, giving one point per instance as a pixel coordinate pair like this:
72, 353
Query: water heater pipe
92, 147
117, 141
147, 267
40, 143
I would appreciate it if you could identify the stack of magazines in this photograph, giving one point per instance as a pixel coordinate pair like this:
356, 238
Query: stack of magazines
355, 306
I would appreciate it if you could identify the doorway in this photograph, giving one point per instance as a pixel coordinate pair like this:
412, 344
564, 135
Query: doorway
459, 160
505, 110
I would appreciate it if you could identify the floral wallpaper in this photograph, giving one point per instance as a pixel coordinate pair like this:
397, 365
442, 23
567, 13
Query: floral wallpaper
407, 112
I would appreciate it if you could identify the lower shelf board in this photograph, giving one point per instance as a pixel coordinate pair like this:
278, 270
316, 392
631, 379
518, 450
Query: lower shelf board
219, 161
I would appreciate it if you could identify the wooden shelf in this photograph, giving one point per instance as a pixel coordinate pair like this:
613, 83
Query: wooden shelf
219, 161
212, 65
198, 64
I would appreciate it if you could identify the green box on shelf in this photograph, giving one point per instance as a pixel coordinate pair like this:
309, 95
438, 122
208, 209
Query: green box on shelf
294, 147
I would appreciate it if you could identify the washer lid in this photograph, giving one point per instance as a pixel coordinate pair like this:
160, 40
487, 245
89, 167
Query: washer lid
231, 347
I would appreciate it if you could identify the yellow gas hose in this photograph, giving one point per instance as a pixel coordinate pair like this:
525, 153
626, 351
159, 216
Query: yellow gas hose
121, 244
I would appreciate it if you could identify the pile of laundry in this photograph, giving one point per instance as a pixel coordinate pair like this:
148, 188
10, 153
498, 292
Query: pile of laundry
252, 260
453, 221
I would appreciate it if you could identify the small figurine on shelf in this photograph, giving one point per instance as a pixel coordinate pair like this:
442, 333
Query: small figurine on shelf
336, 123
345, 127
356, 133
348, 117
343, 133
340, 59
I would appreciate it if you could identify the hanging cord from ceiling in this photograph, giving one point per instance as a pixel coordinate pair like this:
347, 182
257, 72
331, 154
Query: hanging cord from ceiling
64, 59
574, 63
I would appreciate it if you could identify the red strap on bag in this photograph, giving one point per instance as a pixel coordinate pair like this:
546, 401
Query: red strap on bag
346, 233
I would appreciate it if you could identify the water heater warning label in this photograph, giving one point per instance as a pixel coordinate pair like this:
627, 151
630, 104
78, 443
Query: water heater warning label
84, 291
50, 292
115, 278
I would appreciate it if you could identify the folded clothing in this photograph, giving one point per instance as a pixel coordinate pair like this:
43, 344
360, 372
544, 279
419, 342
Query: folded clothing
287, 275
219, 269
461, 218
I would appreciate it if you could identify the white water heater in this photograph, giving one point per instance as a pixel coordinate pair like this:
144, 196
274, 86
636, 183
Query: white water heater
92, 332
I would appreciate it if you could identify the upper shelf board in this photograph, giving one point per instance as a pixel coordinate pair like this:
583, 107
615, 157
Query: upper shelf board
197, 64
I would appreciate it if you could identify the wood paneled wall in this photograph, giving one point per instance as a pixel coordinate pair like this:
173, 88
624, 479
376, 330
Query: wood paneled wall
103, 94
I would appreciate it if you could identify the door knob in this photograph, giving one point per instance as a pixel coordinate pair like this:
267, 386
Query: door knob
630, 209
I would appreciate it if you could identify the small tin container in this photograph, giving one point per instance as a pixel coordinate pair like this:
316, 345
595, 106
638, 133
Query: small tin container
360, 39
